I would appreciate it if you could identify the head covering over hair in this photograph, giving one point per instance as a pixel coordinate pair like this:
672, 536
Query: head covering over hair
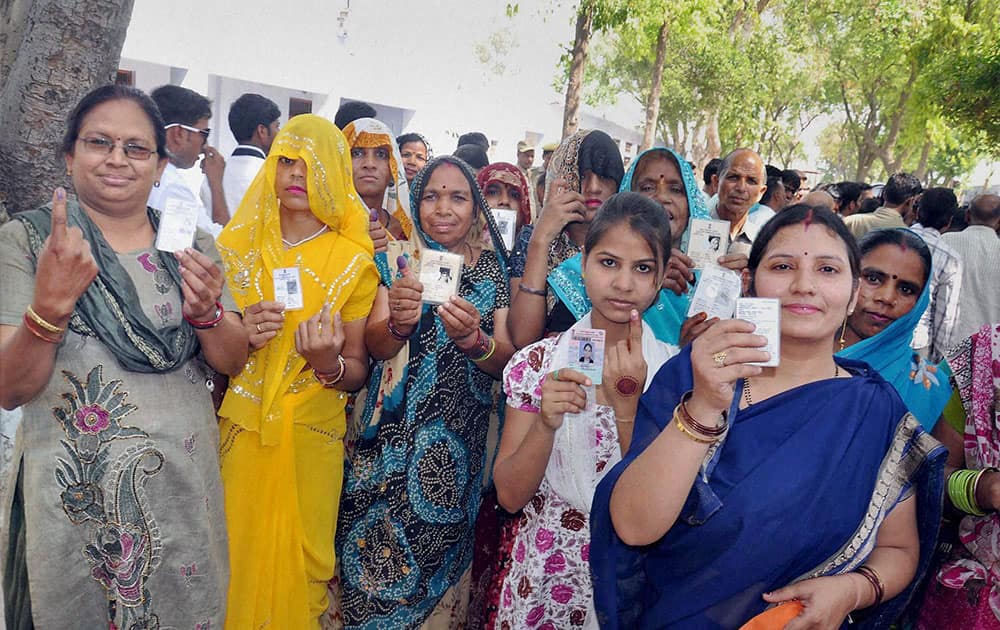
251, 249
668, 313
368, 133
507, 173
584, 151
925, 388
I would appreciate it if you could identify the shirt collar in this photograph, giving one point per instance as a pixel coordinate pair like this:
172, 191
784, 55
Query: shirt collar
250, 147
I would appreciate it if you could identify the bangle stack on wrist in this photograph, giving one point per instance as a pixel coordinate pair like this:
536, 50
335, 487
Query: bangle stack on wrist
962, 485
694, 430
220, 312
873, 578
329, 379
42, 328
530, 291
394, 332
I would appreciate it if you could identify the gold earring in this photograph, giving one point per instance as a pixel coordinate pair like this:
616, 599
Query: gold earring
843, 329
69, 172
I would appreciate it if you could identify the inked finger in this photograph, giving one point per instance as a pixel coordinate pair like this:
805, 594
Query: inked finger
57, 230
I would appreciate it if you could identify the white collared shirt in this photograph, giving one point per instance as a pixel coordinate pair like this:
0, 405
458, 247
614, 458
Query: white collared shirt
979, 300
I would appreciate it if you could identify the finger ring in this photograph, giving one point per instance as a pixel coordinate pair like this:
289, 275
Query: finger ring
555, 375
719, 358
258, 328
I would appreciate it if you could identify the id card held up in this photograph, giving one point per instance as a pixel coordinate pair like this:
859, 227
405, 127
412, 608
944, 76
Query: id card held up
178, 223
288, 288
765, 313
586, 353
440, 273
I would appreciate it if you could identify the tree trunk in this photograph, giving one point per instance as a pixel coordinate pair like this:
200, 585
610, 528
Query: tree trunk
64, 48
581, 43
653, 104
925, 153
713, 146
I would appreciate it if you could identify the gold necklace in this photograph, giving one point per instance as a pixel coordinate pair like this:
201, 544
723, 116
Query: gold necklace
748, 399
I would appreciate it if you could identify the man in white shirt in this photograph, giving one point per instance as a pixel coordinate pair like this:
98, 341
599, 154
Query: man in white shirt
979, 247
254, 121
741, 183
933, 335
900, 194
185, 114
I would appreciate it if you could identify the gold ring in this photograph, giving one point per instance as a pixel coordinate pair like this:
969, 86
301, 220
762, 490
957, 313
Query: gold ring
719, 358
258, 328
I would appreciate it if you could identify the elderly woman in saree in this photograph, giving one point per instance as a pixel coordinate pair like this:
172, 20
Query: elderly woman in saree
107, 344
585, 170
667, 178
299, 260
415, 477
696, 527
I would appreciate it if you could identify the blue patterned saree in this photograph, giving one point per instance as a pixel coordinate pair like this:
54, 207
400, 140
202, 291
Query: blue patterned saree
667, 314
798, 489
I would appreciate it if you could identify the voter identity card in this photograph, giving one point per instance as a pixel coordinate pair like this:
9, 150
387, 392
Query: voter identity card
765, 313
586, 353
716, 293
288, 288
178, 223
708, 240
439, 273
506, 224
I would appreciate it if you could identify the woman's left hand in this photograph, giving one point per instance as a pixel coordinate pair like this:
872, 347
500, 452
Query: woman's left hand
201, 284
461, 321
624, 373
320, 339
827, 601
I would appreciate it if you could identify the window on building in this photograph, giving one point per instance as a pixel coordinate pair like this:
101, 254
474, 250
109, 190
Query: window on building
298, 106
125, 77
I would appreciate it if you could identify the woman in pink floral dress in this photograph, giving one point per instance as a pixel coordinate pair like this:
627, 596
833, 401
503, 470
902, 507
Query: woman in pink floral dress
563, 430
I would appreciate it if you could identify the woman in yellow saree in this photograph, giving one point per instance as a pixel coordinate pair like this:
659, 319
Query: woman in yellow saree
299, 239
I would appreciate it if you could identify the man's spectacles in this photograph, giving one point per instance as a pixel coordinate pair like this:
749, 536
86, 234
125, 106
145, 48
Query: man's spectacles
204, 132
105, 146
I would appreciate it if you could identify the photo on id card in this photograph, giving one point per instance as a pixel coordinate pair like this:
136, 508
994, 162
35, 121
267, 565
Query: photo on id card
586, 353
708, 240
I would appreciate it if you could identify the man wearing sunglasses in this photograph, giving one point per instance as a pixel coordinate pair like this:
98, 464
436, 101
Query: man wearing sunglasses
185, 114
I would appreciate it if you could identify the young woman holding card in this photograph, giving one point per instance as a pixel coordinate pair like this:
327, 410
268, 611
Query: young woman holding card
549, 461
282, 420
105, 344
415, 477
666, 178
700, 525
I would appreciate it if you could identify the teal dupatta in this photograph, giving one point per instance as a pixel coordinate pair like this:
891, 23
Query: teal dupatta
664, 317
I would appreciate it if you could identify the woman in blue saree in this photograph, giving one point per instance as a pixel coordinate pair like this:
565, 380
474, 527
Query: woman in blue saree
667, 178
894, 292
770, 484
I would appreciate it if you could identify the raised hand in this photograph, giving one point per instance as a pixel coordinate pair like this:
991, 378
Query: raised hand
694, 326
680, 272
405, 298
625, 371
719, 358
565, 207
262, 322
213, 165
201, 284
320, 340
65, 266
562, 393
376, 231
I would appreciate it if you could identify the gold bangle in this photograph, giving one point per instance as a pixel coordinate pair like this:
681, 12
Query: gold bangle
688, 433
493, 347
35, 317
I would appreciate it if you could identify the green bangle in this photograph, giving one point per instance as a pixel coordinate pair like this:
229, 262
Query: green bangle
487, 355
962, 488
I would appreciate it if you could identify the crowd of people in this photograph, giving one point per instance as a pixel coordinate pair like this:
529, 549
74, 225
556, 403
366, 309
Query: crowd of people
288, 424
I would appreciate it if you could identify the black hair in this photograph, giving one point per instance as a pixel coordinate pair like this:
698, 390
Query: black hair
644, 216
791, 180
349, 111
958, 220
586, 345
772, 171
249, 111
772, 186
105, 94
477, 138
869, 205
901, 237
900, 187
473, 154
410, 137
712, 168
795, 215
936, 207
847, 193
180, 105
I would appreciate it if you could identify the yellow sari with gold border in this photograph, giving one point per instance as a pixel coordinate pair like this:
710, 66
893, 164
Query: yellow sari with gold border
281, 446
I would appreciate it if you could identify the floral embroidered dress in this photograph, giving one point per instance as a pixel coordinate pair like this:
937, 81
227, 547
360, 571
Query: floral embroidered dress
546, 581
118, 517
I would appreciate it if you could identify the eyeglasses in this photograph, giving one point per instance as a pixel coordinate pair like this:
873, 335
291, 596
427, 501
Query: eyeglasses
204, 132
105, 146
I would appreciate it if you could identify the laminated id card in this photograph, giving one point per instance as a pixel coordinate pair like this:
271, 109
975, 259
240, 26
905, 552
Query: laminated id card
506, 224
765, 313
440, 273
708, 240
178, 223
586, 353
288, 288
716, 293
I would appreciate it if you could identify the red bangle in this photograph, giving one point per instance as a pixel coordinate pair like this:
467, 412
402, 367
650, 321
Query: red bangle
712, 432
220, 312
398, 336
41, 334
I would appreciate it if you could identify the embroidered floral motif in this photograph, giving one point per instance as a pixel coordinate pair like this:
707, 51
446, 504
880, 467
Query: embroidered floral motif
164, 312
108, 495
161, 278
922, 372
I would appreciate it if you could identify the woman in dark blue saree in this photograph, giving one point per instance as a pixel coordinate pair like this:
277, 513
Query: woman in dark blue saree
811, 481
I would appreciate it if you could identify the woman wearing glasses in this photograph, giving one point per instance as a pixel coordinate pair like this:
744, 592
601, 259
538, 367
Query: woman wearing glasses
107, 344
